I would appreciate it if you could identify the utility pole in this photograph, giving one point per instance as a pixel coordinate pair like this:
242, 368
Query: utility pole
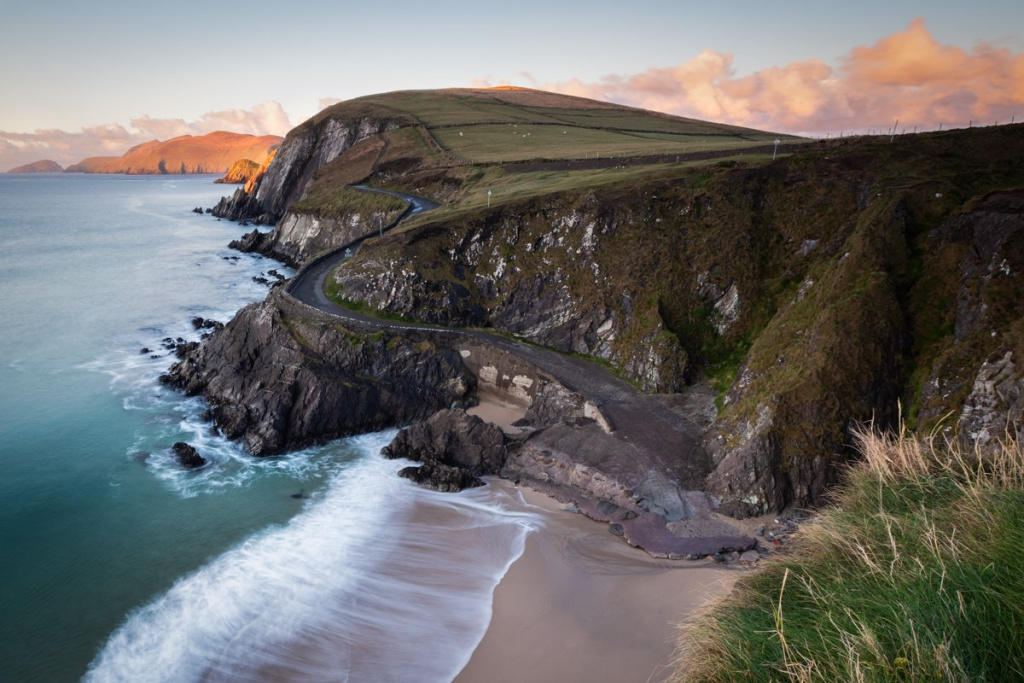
776, 150
488, 199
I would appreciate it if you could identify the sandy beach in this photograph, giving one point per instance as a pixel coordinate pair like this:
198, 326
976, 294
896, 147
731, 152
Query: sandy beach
581, 605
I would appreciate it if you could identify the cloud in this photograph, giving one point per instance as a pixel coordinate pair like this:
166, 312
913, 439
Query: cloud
113, 139
907, 76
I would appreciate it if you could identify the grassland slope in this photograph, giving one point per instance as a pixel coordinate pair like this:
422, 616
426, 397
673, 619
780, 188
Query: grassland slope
434, 140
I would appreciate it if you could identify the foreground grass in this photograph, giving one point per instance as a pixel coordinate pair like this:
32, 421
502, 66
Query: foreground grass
914, 574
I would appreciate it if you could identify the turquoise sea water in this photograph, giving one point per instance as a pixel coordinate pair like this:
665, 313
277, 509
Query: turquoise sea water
116, 564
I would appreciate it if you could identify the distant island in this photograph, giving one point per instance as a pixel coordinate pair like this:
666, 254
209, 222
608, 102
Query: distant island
44, 166
211, 153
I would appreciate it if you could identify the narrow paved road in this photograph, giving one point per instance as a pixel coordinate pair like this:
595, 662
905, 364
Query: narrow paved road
640, 421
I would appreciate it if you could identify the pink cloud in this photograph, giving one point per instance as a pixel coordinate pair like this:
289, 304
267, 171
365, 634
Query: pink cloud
113, 139
907, 76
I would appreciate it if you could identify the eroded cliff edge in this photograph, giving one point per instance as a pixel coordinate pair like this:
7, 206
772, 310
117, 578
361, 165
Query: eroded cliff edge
811, 294
278, 377
282, 375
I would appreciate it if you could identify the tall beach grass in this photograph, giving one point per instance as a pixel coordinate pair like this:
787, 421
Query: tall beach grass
914, 573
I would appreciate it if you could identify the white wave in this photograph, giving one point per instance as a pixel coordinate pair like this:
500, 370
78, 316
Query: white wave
375, 581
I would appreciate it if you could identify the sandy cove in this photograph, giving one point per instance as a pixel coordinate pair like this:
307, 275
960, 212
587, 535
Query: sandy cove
582, 605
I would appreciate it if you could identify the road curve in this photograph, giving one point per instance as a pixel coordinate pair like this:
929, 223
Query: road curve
639, 420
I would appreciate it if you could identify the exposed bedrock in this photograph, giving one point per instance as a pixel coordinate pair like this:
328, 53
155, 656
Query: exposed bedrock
278, 377
305, 150
300, 236
816, 293
454, 447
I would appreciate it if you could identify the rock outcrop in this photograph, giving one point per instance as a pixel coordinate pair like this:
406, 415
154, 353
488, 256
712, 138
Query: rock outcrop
305, 150
240, 173
188, 456
279, 378
454, 447
299, 236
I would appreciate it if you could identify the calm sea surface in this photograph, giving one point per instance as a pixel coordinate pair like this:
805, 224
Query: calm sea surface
116, 564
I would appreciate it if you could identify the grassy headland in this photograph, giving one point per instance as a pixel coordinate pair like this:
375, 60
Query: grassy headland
446, 137
912, 574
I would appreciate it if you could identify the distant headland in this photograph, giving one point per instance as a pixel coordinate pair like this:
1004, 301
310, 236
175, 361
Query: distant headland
211, 153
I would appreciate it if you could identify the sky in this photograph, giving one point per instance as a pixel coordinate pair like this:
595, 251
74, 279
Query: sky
81, 79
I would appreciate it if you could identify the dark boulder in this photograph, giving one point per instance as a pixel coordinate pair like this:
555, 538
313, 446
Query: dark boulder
453, 438
250, 242
188, 456
200, 323
440, 477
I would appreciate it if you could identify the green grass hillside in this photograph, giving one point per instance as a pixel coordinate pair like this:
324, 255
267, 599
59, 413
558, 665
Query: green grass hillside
913, 574
442, 138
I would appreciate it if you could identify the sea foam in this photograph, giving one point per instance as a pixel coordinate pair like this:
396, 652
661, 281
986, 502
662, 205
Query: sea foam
377, 580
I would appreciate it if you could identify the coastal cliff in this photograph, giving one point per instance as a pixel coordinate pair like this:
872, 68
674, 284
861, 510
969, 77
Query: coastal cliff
240, 173
813, 294
306, 149
278, 378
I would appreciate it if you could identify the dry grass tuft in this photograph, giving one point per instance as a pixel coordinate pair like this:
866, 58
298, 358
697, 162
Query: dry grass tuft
912, 575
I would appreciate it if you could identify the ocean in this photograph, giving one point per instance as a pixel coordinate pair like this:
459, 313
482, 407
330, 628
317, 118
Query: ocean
118, 565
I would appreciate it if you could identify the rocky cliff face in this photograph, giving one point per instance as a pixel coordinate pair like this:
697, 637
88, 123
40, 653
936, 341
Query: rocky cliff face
782, 430
278, 378
239, 173
305, 150
299, 236
973, 367
816, 293
813, 294
539, 271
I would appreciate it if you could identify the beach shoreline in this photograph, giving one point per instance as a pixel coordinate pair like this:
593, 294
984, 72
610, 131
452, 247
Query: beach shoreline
582, 605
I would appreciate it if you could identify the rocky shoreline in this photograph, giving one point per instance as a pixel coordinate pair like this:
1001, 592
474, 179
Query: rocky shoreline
815, 294
282, 375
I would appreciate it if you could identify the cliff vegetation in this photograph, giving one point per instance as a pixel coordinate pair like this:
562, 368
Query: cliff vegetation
911, 575
814, 292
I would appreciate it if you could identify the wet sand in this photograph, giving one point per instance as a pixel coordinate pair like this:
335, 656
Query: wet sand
581, 605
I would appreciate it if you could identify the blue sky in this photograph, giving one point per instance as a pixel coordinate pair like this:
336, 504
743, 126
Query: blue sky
73, 65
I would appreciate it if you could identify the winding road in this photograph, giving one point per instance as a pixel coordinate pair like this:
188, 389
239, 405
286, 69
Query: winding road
643, 424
